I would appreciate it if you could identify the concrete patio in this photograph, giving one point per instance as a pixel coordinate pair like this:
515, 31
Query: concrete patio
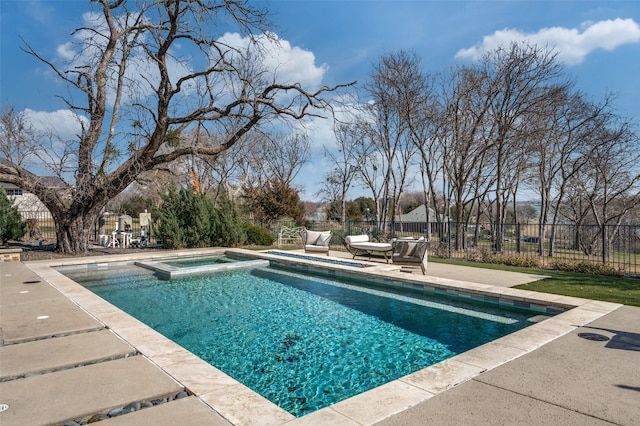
67, 356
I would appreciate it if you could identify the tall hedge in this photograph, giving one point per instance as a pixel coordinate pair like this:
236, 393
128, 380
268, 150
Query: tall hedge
227, 229
186, 219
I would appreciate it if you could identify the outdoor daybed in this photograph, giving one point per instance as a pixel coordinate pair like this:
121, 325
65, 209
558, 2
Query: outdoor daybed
360, 245
316, 242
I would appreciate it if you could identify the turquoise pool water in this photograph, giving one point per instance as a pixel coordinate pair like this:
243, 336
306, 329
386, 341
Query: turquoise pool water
303, 342
320, 259
198, 261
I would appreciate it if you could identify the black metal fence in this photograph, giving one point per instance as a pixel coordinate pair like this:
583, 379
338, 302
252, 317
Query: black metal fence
615, 246
41, 226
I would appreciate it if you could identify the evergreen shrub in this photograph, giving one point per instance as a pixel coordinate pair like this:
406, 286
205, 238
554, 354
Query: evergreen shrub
186, 219
12, 227
258, 235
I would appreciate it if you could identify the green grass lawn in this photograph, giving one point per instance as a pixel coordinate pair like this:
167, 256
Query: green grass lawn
597, 287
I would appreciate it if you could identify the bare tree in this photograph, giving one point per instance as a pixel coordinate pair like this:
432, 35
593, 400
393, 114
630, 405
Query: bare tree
269, 165
16, 136
518, 89
283, 156
344, 166
467, 169
394, 88
372, 171
612, 184
562, 139
127, 75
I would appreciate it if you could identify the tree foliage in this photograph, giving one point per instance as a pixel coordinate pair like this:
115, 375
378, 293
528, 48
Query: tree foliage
189, 219
274, 201
227, 229
258, 235
12, 227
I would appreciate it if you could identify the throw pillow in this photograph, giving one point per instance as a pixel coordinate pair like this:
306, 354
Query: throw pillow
324, 239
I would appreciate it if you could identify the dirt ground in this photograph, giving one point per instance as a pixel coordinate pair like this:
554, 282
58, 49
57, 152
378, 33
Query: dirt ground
35, 251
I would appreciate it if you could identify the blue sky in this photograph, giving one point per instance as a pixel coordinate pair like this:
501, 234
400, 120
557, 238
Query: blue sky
328, 42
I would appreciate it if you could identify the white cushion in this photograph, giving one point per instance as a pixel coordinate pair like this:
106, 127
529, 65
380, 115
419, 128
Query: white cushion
356, 239
372, 246
316, 248
312, 237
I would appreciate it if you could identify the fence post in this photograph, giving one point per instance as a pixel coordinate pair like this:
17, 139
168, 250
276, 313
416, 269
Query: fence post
449, 234
604, 243
518, 237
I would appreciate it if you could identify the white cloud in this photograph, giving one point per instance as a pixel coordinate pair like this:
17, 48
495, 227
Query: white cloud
289, 64
57, 137
63, 122
571, 44
66, 51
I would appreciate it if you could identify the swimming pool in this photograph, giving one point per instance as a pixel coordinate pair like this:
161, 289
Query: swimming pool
303, 341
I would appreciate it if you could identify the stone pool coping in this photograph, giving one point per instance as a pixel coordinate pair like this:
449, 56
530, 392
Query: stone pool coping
240, 405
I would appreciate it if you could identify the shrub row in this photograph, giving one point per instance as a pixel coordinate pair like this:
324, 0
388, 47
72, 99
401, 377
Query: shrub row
512, 260
586, 267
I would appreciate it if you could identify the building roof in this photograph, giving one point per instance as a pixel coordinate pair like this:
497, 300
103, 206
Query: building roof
419, 214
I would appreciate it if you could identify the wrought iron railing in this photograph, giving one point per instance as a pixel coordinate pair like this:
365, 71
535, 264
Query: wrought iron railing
616, 246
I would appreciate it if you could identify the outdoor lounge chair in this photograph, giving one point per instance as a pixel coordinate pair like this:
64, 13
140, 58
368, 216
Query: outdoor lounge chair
410, 253
360, 245
316, 242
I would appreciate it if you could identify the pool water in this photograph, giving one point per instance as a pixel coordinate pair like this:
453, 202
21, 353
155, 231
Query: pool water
199, 261
303, 342
320, 259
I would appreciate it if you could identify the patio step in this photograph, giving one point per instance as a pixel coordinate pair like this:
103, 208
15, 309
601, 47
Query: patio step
61, 353
78, 393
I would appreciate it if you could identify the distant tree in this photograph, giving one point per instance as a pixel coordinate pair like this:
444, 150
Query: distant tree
526, 212
344, 167
521, 79
144, 75
134, 204
274, 201
367, 207
394, 88
412, 200
352, 211
272, 163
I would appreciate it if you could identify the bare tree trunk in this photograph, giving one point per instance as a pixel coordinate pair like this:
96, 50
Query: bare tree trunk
74, 233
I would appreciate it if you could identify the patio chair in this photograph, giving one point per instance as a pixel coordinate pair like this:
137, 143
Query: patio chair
316, 242
410, 253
